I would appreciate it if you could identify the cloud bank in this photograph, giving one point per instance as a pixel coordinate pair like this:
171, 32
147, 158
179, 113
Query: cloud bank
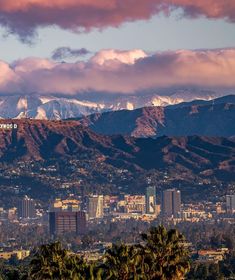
124, 72
23, 17
67, 52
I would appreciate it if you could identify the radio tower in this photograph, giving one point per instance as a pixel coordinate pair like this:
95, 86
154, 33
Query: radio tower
213, 103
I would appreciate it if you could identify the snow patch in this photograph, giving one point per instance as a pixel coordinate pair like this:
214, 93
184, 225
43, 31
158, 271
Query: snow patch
22, 104
130, 106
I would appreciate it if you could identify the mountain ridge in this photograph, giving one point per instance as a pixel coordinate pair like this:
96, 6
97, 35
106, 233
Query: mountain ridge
36, 140
53, 107
207, 118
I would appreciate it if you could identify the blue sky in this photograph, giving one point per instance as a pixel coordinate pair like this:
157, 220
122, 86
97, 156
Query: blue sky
157, 34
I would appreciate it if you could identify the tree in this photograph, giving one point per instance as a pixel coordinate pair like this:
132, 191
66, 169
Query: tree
122, 262
48, 262
199, 271
78, 269
53, 262
164, 254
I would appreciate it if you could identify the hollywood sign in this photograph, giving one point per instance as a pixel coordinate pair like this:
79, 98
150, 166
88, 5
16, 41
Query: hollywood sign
8, 126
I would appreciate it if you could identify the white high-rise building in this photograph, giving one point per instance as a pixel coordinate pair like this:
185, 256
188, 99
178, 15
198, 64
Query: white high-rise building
151, 200
96, 206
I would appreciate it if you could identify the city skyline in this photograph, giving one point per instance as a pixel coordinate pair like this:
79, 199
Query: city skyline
117, 139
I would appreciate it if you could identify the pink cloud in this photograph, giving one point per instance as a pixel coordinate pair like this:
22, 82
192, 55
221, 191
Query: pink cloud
127, 57
8, 78
112, 71
23, 17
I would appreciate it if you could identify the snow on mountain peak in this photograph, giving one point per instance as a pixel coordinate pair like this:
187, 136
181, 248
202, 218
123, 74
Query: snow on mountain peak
165, 101
130, 106
22, 104
44, 107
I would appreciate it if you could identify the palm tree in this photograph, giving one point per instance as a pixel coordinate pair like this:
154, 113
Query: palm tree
122, 262
53, 262
161, 257
164, 255
78, 269
49, 262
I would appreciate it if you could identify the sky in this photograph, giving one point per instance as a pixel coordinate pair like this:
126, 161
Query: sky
115, 46
157, 34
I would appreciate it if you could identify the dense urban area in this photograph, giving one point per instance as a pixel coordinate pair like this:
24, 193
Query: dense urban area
88, 219
87, 201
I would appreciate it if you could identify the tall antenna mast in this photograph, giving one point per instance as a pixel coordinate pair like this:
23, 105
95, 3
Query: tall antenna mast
213, 103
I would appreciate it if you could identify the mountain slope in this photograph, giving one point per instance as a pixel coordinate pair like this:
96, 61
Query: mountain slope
216, 119
44, 140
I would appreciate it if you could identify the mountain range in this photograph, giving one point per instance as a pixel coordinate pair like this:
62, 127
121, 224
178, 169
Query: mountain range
199, 117
43, 140
54, 107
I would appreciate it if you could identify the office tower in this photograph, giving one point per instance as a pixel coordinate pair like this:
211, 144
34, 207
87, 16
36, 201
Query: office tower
26, 208
134, 204
110, 203
96, 206
66, 204
61, 222
157, 209
176, 203
150, 200
166, 205
171, 203
230, 203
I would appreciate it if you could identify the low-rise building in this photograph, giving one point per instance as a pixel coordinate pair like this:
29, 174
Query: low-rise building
212, 255
20, 254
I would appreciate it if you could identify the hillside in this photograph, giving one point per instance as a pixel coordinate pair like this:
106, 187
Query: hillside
204, 118
44, 140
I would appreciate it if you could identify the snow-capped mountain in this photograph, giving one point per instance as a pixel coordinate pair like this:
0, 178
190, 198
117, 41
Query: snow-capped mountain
56, 108
53, 108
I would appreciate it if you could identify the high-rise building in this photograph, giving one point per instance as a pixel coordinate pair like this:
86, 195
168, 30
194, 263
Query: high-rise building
176, 203
167, 205
134, 204
230, 203
95, 206
150, 200
61, 222
171, 203
65, 205
26, 208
